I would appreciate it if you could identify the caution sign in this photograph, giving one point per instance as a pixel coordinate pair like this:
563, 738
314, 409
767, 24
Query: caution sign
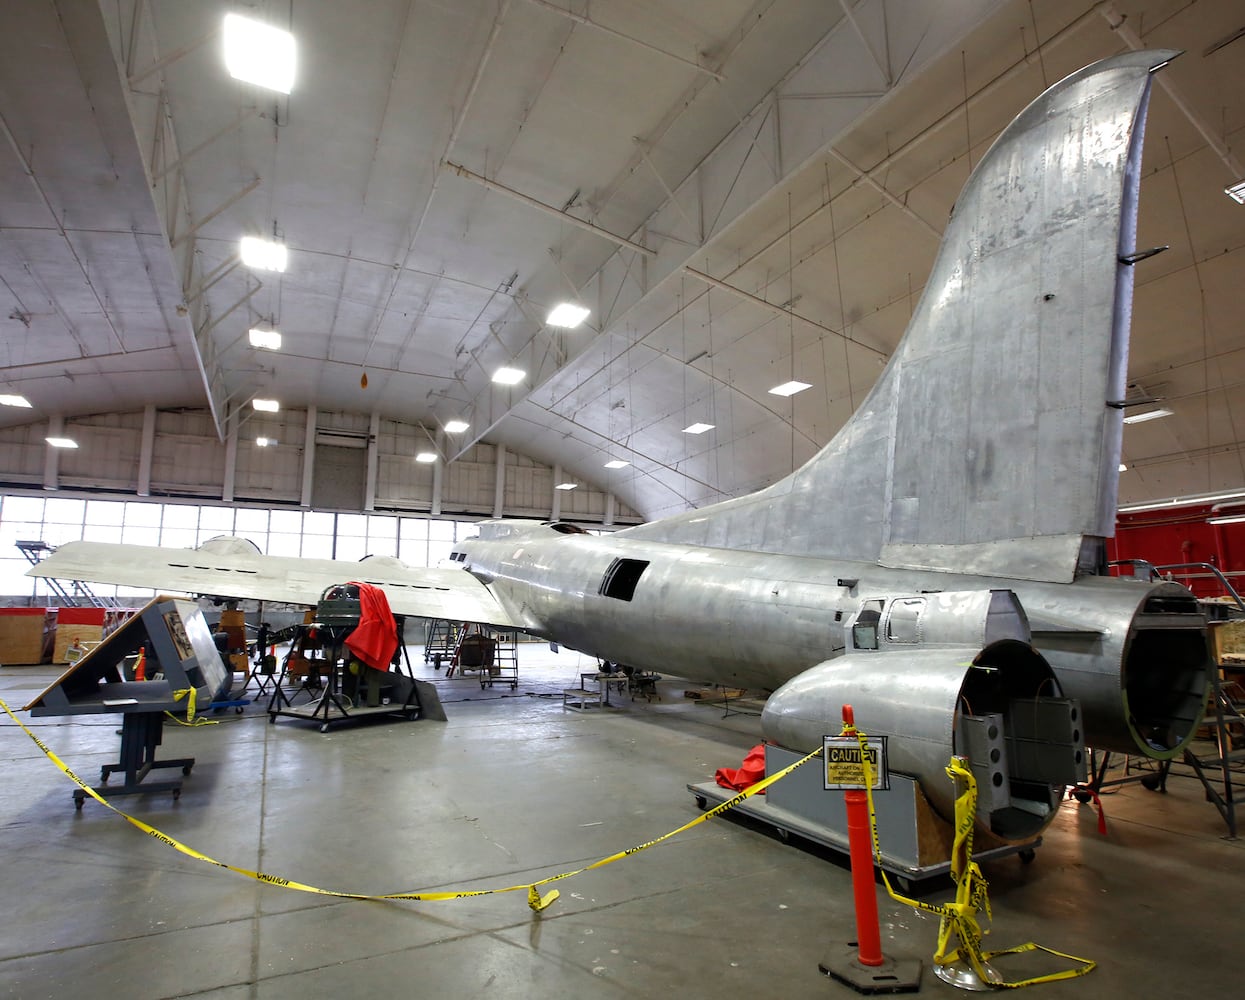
845, 758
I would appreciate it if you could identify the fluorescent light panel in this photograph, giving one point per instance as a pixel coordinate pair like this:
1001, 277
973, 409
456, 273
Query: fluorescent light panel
260, 54
59, 442
264, 442
790, 388
1233, 519
426, 457
567, 315
267, 339
508, 376
266, 405
566, 486
1123, 467
1181, 502
456, 426
263, 255
7, 400
1141, 418
617, 464
698, 428
1236, 192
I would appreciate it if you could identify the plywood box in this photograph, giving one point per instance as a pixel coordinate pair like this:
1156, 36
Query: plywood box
1228, 639
87, 635
21, 635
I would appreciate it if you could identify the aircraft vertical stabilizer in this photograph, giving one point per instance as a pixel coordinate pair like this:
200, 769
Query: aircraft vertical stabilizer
990, 444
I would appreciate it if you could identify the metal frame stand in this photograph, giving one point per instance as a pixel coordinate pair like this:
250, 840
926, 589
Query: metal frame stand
141, 733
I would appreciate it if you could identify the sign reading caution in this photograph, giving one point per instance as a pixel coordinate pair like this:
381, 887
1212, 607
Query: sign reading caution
844, 759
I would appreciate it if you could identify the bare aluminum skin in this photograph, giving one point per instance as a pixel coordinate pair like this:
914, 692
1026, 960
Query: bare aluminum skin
983, 463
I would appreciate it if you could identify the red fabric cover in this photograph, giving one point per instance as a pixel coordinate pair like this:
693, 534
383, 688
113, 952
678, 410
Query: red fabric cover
376, 636
747, 774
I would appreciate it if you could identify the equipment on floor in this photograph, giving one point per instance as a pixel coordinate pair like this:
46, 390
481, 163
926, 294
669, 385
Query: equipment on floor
355, 644
183, 668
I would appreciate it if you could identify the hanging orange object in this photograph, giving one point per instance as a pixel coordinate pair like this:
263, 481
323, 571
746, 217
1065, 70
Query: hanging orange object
140, 665
363, 381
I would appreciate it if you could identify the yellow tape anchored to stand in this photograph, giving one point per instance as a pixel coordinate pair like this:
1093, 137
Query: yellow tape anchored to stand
959, 917
534, 899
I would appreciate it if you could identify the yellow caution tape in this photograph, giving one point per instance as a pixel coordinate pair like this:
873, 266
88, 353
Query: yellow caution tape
190, 710
959, 917
534, 899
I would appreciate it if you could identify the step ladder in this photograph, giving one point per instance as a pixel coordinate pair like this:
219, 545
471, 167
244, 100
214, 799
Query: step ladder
441, 640
78, 595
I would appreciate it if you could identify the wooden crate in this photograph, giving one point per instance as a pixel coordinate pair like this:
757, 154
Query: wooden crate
21, 635
1228, 639
88, 635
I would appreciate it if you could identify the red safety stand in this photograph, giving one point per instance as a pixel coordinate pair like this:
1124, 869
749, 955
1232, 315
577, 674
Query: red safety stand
860, 964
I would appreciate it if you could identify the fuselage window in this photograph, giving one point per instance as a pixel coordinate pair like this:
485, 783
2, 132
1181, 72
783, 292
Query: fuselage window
903, 620
865, 628
621, 578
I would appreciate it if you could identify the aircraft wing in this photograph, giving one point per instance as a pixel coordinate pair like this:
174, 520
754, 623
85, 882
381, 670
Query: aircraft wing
453, 594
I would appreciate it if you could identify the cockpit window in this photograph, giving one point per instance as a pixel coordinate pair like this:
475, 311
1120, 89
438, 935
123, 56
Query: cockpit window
865, 628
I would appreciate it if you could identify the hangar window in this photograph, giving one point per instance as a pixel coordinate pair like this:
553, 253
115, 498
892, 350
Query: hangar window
621, 578
903, 620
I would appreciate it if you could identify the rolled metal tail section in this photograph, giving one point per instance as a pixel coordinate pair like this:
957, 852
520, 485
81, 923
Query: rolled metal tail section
999, 707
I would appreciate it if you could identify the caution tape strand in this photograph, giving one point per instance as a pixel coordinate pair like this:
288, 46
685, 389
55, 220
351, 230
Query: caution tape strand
534, 898
958, 919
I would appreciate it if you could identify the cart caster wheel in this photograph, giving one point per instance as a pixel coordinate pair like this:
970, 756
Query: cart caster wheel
1027, 855
77, 802
1151, 782
514, 687
783, 835
177, 794
412, 715
1081, 795
272, 717
103, 776
238, 710
324, 728
186, 769
701, 802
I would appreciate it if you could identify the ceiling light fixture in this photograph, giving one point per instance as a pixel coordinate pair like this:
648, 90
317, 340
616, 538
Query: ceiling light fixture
1236, 192
456, 426
266, 405
59, 442
1141, 418
617, 463
1233, 519
267, 339
508, 376
264, 442
14, 401
263, 255
1123, 467
260, 54
790, 388
566, 486
567, 315
698, 428
426, 457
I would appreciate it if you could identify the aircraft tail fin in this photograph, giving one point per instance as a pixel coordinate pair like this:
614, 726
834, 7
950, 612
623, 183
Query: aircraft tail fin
991, 442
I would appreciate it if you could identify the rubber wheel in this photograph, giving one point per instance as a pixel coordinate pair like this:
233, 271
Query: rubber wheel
324, 728
1081, 795
1027, 855
1151, 781
77, 802
783, 835
186, 769
701, 802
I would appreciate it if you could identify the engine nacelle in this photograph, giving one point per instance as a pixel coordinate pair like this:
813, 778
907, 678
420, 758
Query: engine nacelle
999, 706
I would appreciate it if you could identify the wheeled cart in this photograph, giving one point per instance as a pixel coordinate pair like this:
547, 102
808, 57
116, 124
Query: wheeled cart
915, 843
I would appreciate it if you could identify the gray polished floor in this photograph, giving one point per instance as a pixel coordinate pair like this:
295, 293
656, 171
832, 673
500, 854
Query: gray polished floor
513, 788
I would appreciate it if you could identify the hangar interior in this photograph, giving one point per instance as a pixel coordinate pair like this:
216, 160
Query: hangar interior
743, 194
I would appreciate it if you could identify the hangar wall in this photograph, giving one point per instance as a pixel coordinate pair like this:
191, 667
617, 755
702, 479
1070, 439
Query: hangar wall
176, 454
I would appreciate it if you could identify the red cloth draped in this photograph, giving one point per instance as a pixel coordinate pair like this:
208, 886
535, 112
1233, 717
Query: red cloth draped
376, 637
747, 774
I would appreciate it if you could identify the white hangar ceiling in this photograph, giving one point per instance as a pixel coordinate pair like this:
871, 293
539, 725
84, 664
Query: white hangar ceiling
743, 192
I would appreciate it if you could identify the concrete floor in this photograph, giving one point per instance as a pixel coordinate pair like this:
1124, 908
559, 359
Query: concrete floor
513, 788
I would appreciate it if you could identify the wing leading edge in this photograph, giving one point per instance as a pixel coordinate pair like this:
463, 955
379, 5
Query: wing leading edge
429, 593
